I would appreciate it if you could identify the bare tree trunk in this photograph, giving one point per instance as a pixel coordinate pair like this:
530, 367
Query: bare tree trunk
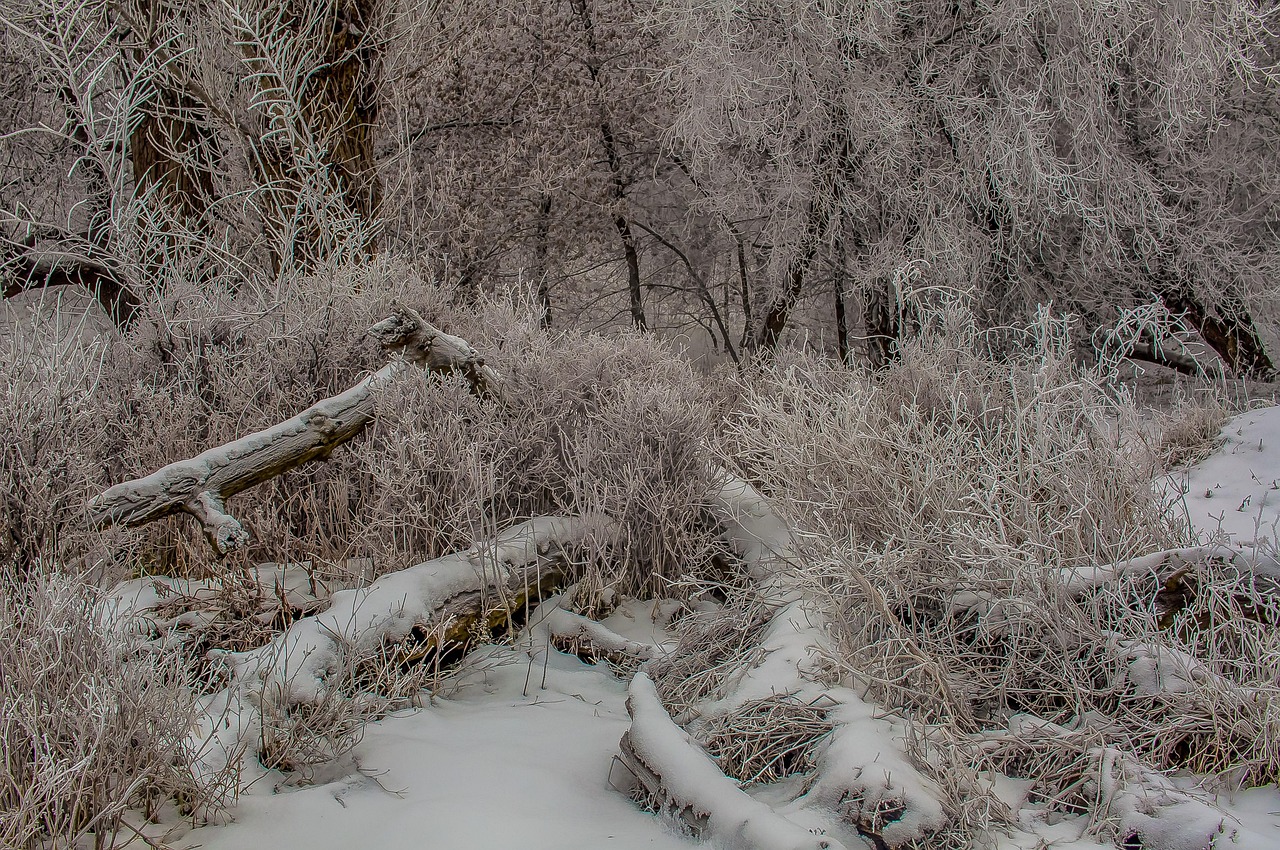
168, 146
833, 161
884, 328
345, 97
1229, 330
339, 106
608, 141
540, 251
842, 322
779, 309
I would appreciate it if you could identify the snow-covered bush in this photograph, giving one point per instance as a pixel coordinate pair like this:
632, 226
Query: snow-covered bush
589, 423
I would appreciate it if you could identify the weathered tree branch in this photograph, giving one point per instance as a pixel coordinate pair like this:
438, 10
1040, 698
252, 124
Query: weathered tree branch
117, 299
201, 485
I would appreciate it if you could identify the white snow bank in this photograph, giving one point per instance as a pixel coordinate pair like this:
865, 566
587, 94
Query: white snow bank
1233, 496
488, 767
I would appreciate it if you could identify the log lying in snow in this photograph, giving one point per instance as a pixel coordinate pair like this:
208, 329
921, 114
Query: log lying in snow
658, 752
201, 485
317, 666
865, 781
428, 601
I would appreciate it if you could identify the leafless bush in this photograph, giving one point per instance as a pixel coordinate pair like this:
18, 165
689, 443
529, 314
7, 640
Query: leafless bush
588, 423
87, 728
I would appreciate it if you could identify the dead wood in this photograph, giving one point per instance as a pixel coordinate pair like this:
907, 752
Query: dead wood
201, 485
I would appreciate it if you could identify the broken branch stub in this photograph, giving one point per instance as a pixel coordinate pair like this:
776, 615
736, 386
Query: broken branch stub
201, 485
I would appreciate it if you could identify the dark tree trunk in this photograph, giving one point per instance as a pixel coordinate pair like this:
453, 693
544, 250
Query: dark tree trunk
1229, 330
613, 159
118, 300
632, 259
340, 105
834, 163
778, 311
884, 328
842, 322
169, 147
540, 251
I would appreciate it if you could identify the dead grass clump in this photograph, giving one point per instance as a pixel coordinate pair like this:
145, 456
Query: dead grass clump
716, 648
1189, 433
768, 739
587, 424
87, 728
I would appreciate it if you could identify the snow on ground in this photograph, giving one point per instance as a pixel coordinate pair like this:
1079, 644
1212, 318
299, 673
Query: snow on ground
1234, 495
517, 754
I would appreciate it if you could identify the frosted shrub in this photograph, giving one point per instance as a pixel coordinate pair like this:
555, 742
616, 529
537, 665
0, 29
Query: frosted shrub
87, 730
949, 501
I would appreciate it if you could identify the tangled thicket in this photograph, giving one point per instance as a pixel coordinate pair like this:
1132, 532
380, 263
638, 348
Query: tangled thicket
589, 424
951, 504
945, 505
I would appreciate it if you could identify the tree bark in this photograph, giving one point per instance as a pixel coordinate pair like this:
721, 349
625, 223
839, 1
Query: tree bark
339, 106
540, 271
883, 326
835, 154
169, 146
1229, 330
117, 299
201, 485
630, 255
779, 309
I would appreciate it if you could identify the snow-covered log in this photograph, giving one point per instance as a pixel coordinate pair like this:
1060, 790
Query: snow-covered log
299, 700
660, 753
554, 624
438, 602
201, 485
866, 783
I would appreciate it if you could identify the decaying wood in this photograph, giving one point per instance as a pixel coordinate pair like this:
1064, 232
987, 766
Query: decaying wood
426, 610
201, 485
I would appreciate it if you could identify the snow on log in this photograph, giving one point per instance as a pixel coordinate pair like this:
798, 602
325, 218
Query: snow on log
201, 485
439, 601
661, 754
1133, 805
1078, 580
751, 528
553, 624
1144, 808
864, 776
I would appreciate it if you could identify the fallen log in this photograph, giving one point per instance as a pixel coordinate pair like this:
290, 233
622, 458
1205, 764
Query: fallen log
200, 486
298, 701
875, 792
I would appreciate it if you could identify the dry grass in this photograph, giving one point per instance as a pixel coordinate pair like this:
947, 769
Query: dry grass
945, 498
87, 728
767, 739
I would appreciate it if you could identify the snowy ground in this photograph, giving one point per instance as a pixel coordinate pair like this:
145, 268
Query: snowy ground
487, 767
520, 753
1234, 495
517, 754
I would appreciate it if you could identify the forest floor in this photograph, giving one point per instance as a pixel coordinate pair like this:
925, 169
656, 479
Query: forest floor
518, 750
